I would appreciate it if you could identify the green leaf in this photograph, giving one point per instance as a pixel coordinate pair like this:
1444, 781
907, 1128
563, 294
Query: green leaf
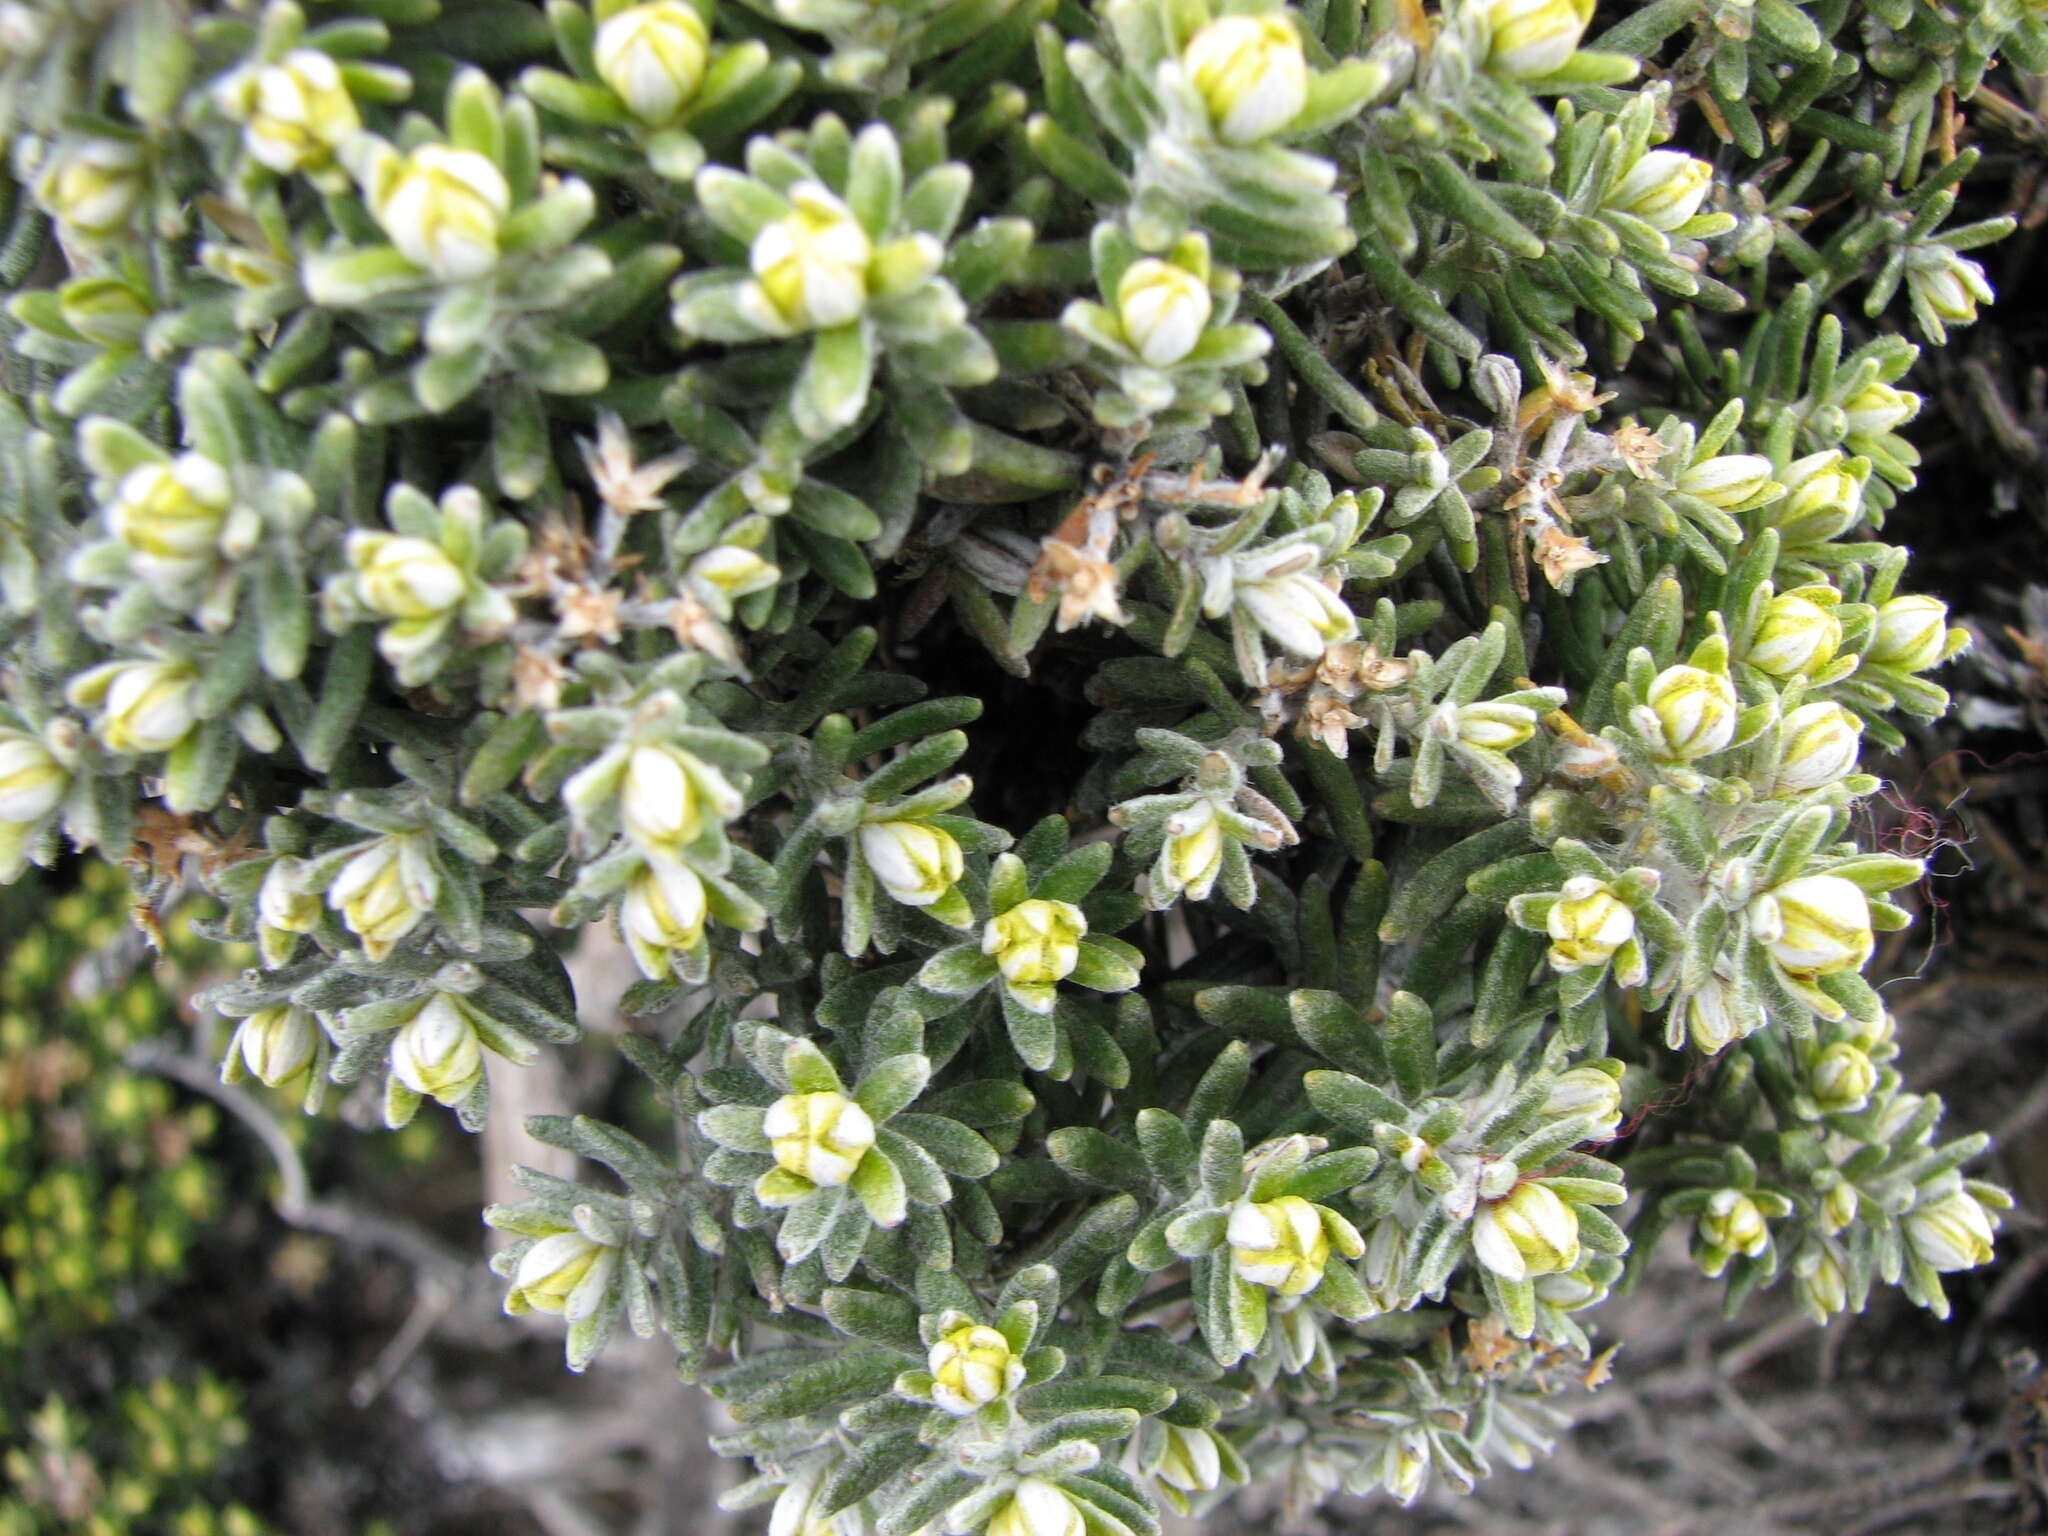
892, 1085
880, 1188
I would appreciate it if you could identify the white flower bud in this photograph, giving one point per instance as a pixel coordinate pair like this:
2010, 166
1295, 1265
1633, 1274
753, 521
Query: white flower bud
277, 1046
1842, 1078
1281, 1244
1954, 1233
1664, 188
1036, 944
442, 208
171, 514
1695, 710
566, 1273
810, 266
666, 793
1587, 1090
1192, 855
384, 891
1494, 726
405, 578
1815, 925
1714, 1017
1912, 632
733, 572
1822, 499
818, 1136
1946, 284
1822, 1280
1534, 38
662, 915
1838, 1207
300, 112
1163, 310
1587, 925
1878, 408
1732, 481
1797, 635
284, 910
1250, 74
147, 706
1818, 746
437, 1053
1187, 1460
654, 57
32, 781
1302, 614
1527, 1233
1734, 1223
916, 862
1038, 1508
972, 1366
93, 186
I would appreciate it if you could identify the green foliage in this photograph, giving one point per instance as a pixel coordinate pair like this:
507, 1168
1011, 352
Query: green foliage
488, 470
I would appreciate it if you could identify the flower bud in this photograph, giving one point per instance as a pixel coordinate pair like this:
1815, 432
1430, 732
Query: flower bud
147, 706
32, 781
810, 266
1528, 1232
818, 1136
1818, 744
1946, 284
1797, 634
1822, 1281
566, 1273
1036, 943
284, 910
1815, 925
1163, 310
1841, 1079
1838, 1207
1250, 74
1912, 632
300, 112
666, 793
1534, 38
1953, 1233
1714, 1016
1192, 854
1734, 1223
437, 1053
1495, 727
384, 891
93, 186
1587, 925
172, 514
405, 578
1187, 1460
1587, 1091
1878, 408
972, 1366
662, 915
1302, 614
277, 1046
1823, 497
732, 571
1281, 1244
916, 862
1733, 482
1038, 1508
1664, 188
654, 57
1696, 711
442, 207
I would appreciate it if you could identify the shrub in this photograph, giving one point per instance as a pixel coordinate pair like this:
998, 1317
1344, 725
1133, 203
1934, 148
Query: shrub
906, 511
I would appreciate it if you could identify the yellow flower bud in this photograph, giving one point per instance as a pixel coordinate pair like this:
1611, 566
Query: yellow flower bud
384, 891
1714, 1017
1036, 944
1163, 310
1038, 1508
93, 186
1192, 855
972, 1366
732, 571
916, 862
405, 578
1945, 284
1798, 634
1664, 188
818, 1136
1494, 726
1187, 1460
442, 207
1281, 1244
662, 915
810, 266
301, 112
171, 514
1528, 1232
1534, 38
1878, 408
1953, 1233
147, 706
1842, 1078
1587, 1090
1838, 1207
1823, 497
1734, 1224
1301, 612
565, 1273
1588, 924
1815, 925
437, 1053
666, 793
1695, 712
1733, 482
1912, 632
277, 1046
653, 57
1250, 74
32, 781
1818, 746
